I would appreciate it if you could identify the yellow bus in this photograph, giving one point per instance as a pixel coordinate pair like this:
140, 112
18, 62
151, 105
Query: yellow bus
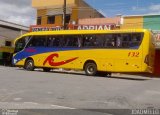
93, 51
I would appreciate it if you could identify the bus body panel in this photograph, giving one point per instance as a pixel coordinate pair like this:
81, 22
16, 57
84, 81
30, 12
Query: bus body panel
105, 60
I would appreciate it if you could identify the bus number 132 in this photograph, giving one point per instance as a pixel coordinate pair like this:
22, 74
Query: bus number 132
133, 54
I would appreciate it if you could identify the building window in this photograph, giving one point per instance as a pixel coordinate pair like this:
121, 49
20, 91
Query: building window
8, 43
68, 17
51, 20
39, 19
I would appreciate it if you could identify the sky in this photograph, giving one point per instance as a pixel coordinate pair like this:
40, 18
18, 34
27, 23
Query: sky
21, 12
110, 8
17, 11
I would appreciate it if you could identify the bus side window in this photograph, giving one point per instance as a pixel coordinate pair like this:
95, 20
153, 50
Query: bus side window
99, 40
77, 41
109, 41
118, 38
32, 42
80, 40
41, 41
37, 41
71, 41
53, 41
126, 38
85, 41
136, 39
50, 41
89, 41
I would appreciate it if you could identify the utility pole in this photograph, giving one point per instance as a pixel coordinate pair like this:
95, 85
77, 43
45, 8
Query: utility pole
64, 15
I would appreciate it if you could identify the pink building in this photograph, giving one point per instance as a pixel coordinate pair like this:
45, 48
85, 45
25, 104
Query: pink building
113, 23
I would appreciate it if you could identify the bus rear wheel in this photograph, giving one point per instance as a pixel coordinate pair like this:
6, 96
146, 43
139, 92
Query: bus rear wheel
90, 69
29, 65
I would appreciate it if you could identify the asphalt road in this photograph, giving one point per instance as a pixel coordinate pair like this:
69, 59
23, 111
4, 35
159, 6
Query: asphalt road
20, 89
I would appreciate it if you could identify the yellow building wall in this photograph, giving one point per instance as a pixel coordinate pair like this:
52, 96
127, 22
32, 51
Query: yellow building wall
42, 13
132, 22
78, 12
59, 20
50, 3
74, 16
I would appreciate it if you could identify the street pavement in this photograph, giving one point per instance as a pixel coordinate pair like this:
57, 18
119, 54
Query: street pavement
20, 89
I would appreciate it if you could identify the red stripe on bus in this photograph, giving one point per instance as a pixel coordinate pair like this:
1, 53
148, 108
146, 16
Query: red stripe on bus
50, 60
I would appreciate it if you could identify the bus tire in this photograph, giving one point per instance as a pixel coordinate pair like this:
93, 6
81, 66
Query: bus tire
90, 69
29, 65
46, 69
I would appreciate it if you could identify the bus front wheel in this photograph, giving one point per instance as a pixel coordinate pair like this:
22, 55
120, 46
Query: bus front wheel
29, 65
90, 69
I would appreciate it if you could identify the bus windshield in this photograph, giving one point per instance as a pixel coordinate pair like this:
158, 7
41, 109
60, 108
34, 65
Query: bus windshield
21, 43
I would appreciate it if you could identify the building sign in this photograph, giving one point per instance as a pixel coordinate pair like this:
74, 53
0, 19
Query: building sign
45, 28
73, 27
97, 27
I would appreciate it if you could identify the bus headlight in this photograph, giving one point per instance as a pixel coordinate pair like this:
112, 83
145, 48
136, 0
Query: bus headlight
15, 61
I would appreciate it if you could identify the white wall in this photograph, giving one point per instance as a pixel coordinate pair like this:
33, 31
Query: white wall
2, 42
